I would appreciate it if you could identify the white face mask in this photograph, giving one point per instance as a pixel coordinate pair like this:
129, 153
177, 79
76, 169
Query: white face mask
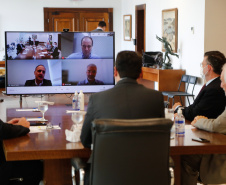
203, 75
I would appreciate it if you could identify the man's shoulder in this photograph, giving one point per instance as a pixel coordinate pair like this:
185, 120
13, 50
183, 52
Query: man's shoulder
75, 56
94, 56
30, 82
96, 30
99, 82
83, 82
47, 82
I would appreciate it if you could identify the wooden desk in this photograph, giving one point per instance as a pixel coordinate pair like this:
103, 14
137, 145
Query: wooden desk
168, 79
52, 147
2, 63
185, 146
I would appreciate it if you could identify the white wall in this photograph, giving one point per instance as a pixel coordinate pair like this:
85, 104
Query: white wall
190, 46
27, 15
215, 27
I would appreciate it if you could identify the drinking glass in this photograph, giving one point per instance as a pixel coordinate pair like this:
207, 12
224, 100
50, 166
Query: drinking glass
77, 118
43, 108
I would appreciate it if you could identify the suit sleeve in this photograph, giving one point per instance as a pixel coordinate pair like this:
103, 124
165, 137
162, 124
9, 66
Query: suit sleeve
212, 100
8, 131
86, 134
213, 125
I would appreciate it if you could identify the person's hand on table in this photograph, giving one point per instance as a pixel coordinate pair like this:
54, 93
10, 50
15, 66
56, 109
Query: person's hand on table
175, 105
20, 121
14, 120
196, 119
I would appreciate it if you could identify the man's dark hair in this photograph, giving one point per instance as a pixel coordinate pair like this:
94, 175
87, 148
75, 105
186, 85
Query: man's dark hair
129, 64
216, 59
102, 24
87, 37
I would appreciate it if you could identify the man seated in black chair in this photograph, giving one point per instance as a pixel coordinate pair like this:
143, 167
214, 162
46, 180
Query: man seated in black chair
39, 80
211, 100
127, 100
30, 171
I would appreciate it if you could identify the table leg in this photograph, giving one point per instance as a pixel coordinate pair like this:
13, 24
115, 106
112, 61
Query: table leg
57, 172
177, 169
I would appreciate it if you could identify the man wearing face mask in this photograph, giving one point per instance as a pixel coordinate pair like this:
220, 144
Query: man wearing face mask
210, 101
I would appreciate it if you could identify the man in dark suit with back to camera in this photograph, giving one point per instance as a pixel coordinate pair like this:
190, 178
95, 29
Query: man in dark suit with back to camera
127, 100
211, 100
30, 171
101, 27
39, 80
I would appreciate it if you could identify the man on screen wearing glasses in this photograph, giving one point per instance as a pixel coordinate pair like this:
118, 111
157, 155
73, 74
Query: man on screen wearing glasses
39, 80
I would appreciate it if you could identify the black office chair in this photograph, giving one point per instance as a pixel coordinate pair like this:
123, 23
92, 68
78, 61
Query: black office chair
187, 79
129, 152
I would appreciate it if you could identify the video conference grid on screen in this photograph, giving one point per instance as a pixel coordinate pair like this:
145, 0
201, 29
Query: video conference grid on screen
66, 61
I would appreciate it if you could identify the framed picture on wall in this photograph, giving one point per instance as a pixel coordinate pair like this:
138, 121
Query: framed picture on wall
127, 27
170, 27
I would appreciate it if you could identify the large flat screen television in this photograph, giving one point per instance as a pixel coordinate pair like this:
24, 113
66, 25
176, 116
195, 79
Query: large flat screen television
68, 61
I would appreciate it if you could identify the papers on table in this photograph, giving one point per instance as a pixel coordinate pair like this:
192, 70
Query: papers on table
37, 129
47, 102
36, 119
33, 110
77, 111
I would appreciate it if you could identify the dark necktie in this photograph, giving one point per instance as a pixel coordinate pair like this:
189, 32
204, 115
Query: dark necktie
202, 88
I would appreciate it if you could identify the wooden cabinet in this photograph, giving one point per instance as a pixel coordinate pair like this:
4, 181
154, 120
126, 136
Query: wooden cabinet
168, 79
77, 19
2, 63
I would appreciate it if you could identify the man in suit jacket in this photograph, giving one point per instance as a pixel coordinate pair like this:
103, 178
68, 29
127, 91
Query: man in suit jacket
211, 168
101, 26
39, 80
211, 100
127, 100
31, 171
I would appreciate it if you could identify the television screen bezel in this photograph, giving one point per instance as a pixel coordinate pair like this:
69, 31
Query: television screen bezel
104, 87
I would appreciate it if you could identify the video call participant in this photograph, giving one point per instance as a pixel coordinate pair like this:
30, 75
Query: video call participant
39, 80
30, 171
87, 45
91, 72
126, 100
101, 27
19, 47
211, 168
211, 100
54, 51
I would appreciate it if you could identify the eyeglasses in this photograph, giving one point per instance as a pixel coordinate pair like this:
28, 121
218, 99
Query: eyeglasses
201, 65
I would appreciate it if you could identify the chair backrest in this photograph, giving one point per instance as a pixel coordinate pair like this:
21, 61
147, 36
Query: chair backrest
189, 80
130, 152
183, 79
192, 80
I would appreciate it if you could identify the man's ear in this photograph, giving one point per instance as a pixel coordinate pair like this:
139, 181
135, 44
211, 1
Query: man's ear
141, 74
115, 72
